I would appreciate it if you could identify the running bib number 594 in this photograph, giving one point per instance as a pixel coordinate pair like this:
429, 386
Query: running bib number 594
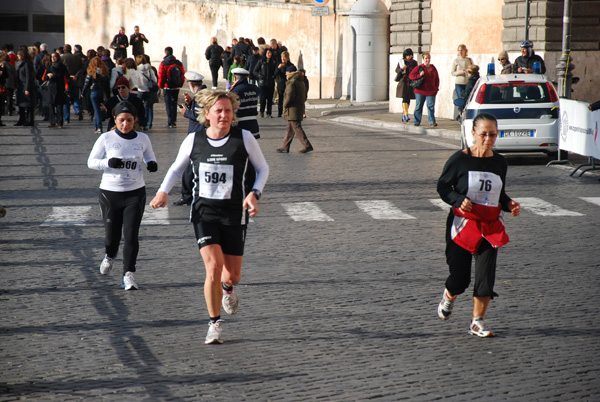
216, 181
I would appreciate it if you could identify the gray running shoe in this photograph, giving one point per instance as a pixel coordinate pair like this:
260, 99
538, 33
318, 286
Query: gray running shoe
478, 328
106, 265
129, 281
445, 307
231, 302
214, 333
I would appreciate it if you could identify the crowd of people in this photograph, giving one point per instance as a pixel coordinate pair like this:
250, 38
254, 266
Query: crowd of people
51, 84
422, 82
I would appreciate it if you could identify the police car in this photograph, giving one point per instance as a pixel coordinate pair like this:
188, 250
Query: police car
526, 106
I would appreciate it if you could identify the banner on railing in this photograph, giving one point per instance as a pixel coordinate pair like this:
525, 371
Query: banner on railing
579, 128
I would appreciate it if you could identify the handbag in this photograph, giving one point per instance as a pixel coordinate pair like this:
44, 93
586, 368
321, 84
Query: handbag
398, 74
416, 84
152, 86
45, 84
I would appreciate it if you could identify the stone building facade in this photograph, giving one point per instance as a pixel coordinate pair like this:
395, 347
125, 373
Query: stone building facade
489, 26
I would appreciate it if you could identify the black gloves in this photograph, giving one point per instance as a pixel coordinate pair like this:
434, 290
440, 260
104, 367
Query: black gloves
152, 166
116, 163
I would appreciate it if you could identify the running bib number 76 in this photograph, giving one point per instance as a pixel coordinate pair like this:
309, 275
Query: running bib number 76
216, 181
484, 188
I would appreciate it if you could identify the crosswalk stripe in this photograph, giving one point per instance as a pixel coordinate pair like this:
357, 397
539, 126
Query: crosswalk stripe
305, 211
382, 210
593, 200
67, 216
543, 208
440, 204
159, 216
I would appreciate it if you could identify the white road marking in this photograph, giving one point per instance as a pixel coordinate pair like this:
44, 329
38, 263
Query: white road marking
440, 203
159, 216
67, 216
593, 200
543, 208
378, 209
305, 211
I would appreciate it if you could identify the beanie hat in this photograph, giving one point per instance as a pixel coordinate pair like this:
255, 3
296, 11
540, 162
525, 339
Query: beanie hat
123, 81
124, 107
503, 55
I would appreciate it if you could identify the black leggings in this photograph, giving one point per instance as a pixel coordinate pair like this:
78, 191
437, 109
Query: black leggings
123, 211
459, 261
266, 98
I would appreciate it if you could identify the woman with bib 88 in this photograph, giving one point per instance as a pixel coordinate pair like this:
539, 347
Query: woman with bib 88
120, 153
223, 202
473, 182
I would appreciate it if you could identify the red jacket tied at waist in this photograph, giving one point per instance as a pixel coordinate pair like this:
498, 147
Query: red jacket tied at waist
483, 222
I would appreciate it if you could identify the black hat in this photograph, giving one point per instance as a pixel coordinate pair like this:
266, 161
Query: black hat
124, 107
291, 69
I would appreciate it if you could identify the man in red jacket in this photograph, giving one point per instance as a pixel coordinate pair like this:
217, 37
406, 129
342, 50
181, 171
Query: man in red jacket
171, 78
427, 90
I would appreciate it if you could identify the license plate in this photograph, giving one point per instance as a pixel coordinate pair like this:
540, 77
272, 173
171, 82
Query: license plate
516, 133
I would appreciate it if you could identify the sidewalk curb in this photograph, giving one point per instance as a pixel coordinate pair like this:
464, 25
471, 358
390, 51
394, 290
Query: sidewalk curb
348, 104
400, 127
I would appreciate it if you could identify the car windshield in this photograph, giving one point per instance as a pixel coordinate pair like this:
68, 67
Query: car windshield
516, 92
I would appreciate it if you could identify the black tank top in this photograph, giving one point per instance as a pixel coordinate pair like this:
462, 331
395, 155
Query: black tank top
219, 179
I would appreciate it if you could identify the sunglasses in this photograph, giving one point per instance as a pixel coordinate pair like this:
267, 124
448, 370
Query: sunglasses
502, 59
492, 136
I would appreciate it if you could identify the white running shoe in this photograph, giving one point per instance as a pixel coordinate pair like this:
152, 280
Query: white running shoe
445, 307
478, 328
231, 302
106, 265
214, 333
129, 281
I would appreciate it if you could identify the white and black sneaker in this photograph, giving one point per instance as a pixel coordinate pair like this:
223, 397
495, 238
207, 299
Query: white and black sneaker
446, 306
478, 328
106, 265
230, 302
214, 333
128, 282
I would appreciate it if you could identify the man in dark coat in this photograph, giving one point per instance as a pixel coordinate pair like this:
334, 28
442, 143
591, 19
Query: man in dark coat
75, 68
137, 41
294, 98
524, 63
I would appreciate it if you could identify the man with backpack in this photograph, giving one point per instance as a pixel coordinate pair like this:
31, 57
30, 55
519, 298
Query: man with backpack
170, 79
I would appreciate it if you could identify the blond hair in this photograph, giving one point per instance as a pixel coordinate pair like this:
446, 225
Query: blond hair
207, 98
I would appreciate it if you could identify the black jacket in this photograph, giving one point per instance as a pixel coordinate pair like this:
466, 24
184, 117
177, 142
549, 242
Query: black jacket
527, 62
280, 75
25, 82
55, 92
470, 85
213, 54
120, 52
137, 46
91, 83
227, 62
265, 73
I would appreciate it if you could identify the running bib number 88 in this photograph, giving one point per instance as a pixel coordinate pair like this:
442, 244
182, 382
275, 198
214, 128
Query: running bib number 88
216, 181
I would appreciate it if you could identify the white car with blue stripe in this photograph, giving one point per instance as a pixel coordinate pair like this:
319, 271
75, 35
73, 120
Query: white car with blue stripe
526, 106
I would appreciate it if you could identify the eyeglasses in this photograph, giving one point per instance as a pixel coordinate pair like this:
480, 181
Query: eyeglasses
492, 136
123, 87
